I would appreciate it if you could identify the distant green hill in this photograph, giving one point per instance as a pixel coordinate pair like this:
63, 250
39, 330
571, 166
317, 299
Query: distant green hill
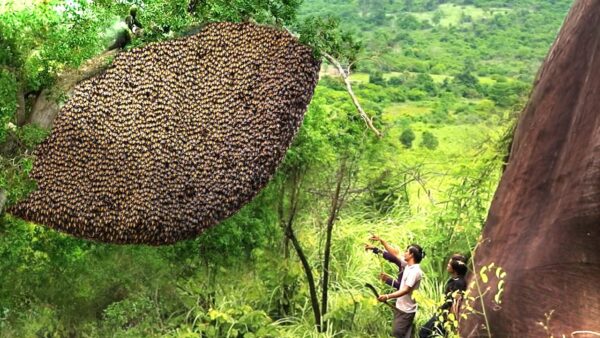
508, 38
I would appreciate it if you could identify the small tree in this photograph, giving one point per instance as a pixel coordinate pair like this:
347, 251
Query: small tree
437, 17
407, 137
429, 140
376, 77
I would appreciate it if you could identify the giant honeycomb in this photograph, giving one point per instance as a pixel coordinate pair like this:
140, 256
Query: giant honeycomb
174, 137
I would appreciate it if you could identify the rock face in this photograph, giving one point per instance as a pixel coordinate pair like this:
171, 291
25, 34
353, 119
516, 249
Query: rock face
45, 107
543, 227
174, 137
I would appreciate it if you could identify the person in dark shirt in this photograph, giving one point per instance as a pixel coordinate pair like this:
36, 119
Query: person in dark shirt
390, 254
455, 286
126, 33
132, 22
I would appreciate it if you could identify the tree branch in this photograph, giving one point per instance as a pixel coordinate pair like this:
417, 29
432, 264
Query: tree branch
346, 79
333, 213
289, 233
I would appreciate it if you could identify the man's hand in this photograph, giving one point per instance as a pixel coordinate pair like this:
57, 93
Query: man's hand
369, 247
384, 277
375, 238
383, 298
385, 244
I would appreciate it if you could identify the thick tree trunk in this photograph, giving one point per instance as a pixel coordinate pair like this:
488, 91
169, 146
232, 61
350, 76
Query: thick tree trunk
47, 104
543, 227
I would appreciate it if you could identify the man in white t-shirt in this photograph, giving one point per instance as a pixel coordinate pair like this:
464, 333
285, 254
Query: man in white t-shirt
405, 304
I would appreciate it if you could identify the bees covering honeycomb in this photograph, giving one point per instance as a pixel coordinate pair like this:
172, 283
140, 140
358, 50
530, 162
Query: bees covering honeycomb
174, 137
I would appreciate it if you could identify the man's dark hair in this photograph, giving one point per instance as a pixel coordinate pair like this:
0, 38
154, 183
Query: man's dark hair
458, 257
458, 263
417, 252
459, 267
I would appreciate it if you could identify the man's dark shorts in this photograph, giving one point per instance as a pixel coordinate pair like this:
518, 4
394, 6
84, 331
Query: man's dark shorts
402, 325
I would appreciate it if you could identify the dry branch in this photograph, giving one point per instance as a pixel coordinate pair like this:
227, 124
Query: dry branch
346, 77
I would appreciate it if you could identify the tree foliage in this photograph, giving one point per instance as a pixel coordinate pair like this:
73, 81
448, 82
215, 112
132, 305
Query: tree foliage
429, 141
407, 137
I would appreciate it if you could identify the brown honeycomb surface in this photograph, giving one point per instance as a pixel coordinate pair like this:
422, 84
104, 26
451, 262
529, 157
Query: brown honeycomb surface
174, 137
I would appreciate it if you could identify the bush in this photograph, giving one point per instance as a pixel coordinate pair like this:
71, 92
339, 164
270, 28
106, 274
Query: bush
396, 94
439, 69
376, 78
418, 67
409, 22
407, 137
130, 314
332, 82
439, 115
416, 94
429, 140
396, 81
372, 92
31, 135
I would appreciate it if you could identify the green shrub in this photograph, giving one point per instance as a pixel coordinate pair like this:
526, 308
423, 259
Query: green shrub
377, 78
416, 94
429, 141
407, 137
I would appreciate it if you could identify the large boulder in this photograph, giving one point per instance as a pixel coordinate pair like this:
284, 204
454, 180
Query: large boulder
543, 227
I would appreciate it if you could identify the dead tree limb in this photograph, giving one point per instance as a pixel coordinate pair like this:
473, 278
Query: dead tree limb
346, 77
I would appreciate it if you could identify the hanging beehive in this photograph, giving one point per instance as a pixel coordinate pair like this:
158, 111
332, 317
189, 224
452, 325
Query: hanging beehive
174, 137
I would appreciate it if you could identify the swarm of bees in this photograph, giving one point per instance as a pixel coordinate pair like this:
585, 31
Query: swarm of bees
174, 137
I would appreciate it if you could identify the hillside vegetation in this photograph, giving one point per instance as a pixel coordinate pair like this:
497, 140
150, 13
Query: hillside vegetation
444, 82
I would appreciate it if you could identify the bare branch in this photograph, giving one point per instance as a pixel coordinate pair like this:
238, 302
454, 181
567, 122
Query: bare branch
346, 79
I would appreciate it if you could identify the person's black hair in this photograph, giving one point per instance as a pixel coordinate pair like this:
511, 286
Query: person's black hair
458, 263
459, 267
417, 252
458, 257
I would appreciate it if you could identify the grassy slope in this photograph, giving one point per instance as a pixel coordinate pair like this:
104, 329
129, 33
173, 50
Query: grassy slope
451, 14
460, 144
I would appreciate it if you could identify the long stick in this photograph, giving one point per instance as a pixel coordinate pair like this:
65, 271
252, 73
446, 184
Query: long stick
372, 288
